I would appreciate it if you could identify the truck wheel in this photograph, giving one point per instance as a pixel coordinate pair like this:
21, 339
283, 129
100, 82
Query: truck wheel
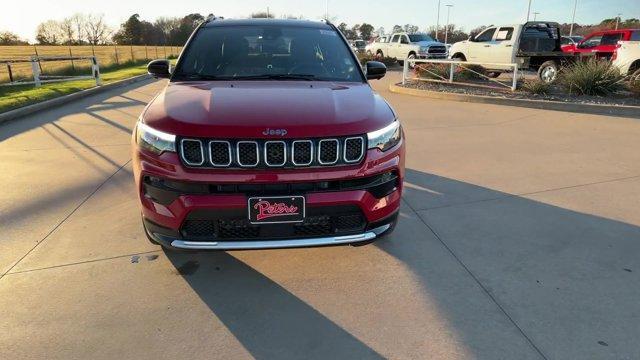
548, 71
412, 64
379, 54
459, 57
401, 62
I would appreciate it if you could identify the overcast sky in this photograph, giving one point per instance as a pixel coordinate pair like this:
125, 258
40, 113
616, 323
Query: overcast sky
22, 17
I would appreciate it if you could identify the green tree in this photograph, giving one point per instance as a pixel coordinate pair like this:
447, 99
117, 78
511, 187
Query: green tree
130, 32
262, 15
366, 31
180, 35
9, 38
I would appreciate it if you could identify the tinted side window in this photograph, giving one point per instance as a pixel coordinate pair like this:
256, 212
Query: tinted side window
566, 41
504, 34
635, 36
486, 36
592, 41
610, 39
395, 38
405, 40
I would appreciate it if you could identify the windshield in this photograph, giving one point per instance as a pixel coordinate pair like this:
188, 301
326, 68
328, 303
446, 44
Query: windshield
267, 52
420, 37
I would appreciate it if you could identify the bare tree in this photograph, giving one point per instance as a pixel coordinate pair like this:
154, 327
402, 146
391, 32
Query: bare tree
78, 20
166, 26
96, 29
49, 33
67, 30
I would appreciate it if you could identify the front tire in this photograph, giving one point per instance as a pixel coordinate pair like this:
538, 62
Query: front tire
548, 72
412, 64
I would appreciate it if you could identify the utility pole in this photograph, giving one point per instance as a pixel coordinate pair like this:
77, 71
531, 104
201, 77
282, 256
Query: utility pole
267, 12
446, 29
535, 16
529, 10
618, 20
573, 18
438, 21
326, 14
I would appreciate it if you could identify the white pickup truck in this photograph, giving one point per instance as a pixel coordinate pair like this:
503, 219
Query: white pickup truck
532, 46
413, 46
627, 58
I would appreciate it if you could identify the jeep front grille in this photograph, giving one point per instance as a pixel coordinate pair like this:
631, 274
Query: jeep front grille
206, 153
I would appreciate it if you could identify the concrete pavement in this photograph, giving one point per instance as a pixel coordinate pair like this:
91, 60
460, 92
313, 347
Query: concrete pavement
518, 239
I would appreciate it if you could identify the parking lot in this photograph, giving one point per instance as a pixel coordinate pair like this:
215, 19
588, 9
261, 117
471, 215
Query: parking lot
519, 238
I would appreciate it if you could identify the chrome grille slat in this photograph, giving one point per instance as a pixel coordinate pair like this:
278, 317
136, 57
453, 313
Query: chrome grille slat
273, 156
267, 153
216, 154
325, 153
296, 155
243, 151
353, 149
189, 152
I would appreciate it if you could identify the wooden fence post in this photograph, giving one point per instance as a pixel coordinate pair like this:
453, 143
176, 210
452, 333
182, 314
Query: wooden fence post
73, 67
35, 49
10, 73
116, 50
146, 54
133, 59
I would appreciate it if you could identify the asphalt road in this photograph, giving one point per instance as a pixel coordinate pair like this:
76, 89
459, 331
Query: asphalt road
518, 239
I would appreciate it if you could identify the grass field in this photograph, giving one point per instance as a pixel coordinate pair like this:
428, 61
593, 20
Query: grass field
107, 55
12, 97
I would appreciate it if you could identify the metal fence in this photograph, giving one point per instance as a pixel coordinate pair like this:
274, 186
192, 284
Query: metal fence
458, 67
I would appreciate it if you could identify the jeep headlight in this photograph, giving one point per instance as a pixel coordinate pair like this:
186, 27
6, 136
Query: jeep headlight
154, 140
385, 138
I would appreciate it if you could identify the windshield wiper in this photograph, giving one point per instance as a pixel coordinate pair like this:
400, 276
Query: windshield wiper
306, 77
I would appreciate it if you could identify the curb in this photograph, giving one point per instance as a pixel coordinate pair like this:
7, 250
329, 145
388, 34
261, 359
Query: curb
48, 104
596, 109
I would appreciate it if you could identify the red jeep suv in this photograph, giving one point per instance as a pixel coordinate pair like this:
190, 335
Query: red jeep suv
268, 135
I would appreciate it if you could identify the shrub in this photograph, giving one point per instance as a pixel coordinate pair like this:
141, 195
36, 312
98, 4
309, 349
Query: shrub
438, 71
432, 71
537, 87
591, 77
388, 61
634, 83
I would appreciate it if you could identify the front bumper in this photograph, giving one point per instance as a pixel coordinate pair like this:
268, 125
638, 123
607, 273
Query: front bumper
166, 220
431, 56
227, 245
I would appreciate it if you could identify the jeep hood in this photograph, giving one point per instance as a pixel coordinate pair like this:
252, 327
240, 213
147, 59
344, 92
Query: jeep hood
245, 109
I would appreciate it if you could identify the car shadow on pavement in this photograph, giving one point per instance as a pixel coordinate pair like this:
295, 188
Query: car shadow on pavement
510, 275
563, 279
269, 321
90, 105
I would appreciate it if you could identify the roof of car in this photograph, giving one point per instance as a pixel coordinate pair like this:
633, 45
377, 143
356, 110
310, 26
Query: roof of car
262, 22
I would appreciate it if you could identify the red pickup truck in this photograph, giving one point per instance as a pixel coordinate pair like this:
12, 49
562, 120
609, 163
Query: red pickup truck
603, 43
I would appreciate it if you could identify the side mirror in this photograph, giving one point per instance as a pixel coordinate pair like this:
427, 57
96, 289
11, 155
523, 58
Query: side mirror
160, 68
375, 70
